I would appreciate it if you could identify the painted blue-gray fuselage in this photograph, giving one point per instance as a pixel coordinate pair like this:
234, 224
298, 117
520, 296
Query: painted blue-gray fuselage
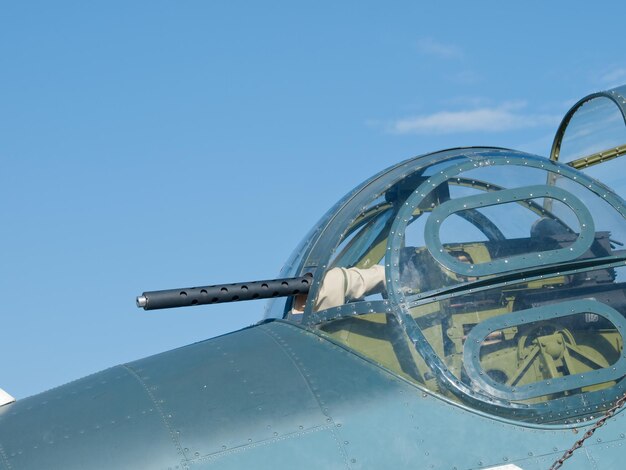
478, 323
271, 396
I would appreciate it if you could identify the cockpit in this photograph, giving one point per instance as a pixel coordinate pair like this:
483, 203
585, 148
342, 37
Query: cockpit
503, 281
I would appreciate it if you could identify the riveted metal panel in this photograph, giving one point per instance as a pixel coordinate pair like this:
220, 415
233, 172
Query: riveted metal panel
608, 449
383, 421
329, 408
106, 420
314, 449
233, 391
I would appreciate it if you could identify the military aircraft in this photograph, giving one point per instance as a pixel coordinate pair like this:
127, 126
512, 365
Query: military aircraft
463, 309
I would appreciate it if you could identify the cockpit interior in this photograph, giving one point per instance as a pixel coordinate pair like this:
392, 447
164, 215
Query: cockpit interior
504, 279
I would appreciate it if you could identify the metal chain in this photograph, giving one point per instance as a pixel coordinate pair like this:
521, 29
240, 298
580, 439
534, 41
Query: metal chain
579, 443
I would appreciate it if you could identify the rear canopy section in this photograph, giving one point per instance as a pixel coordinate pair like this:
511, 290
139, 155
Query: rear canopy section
592, 136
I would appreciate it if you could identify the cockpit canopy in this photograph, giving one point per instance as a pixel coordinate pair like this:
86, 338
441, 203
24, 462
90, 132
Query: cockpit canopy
592, 135
502, 276
446, 219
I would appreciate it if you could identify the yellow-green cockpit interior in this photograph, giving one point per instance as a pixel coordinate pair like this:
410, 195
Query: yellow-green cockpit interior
504, 281
489, 276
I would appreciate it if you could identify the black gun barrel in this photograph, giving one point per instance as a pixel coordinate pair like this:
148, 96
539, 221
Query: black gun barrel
188, 297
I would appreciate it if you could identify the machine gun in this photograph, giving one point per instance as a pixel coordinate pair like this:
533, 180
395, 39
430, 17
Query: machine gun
187, 297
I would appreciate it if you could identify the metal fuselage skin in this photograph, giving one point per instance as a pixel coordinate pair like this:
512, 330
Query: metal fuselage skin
273, 396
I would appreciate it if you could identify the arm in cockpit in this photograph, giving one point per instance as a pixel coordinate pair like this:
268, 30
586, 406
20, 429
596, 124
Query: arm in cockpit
341, 285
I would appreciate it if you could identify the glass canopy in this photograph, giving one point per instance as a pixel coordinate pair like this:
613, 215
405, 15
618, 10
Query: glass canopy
592, 136
492, 277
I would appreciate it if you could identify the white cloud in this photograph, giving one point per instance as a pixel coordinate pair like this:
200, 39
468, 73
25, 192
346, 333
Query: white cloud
466, 77
614, 77
506, 117
444, 51
467, 101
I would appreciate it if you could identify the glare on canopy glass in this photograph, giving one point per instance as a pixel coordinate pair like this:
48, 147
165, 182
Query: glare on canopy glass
596, 126
458, 233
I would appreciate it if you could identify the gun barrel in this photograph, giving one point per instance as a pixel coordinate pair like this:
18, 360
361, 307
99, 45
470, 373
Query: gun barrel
221, 293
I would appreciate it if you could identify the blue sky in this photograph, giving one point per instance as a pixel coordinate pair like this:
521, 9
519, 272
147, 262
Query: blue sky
149, 145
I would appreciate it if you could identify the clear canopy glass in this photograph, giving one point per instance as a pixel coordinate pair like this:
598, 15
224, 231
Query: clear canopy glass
592, 136
490, 276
